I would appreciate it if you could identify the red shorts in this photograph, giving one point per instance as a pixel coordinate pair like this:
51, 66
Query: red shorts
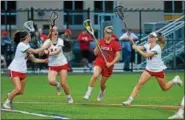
106, 72
59, 68
156, 74
13, 74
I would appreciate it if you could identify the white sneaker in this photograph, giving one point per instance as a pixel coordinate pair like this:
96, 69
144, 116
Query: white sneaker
58, 90
127, 103
100, 96
7, 106
178, 80
70, 100
176, 116
86, 96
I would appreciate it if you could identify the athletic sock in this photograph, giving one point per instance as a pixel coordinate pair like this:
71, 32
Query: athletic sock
131, 98
58, 85
90, 89
68, 96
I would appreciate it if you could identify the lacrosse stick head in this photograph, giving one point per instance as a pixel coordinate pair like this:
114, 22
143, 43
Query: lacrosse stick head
53, 18
88, 26
119, 11
29, 26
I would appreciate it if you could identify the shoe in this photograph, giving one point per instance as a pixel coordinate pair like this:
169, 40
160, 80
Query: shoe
7, 106
58, 90
178, 80
86, 96
127, 103
70, 100
176, 116
100, 96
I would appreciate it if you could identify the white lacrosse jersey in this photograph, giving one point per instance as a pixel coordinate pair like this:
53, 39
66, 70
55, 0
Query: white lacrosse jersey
154, 63
58, 59
19, 62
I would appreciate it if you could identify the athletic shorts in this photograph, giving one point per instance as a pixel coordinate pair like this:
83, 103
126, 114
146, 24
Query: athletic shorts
160, 74
13, 74
106, 72
59, 68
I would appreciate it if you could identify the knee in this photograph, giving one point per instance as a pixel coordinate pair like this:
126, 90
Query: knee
51, 82
63, 84
18, 90
164, 88
21, 93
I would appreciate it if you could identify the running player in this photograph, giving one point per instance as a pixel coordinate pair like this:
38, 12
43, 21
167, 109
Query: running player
111, 50
57, 63
18, 68
155, 66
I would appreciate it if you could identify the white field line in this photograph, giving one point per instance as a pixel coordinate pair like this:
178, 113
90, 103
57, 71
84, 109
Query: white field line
35, 114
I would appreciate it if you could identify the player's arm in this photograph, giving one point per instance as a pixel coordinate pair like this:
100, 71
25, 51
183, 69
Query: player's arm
117, 57
36, 60
56, 52
39, 50
146, 55
96, 50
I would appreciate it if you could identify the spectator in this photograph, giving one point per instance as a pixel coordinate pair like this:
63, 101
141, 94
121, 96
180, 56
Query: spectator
42, 36
68, 47
7, 46
85, 38
127, 48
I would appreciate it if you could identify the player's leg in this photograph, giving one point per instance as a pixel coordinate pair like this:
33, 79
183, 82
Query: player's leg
102, 86
17, 89
96, 72
52, 80
180, 112
145, 76
165, 86
63, 79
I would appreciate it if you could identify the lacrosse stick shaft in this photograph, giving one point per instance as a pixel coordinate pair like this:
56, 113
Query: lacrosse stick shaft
99, 48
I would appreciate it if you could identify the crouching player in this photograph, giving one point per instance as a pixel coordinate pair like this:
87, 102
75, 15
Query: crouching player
111, 50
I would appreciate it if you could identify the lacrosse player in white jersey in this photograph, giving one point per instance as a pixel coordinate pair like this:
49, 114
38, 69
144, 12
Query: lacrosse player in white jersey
154, 67
18, 67
57, 63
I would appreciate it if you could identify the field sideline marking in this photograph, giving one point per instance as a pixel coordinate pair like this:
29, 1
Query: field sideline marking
35, 114
168, 107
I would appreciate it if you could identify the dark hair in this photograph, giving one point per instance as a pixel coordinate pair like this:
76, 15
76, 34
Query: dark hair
20, 36
161, 40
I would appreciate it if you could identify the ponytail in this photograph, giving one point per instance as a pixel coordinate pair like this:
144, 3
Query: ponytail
161, 40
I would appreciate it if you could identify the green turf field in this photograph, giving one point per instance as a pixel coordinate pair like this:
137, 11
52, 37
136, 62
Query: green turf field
39, 97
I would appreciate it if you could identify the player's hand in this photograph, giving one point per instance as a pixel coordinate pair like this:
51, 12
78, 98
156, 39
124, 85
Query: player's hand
45, 60
134, 46
108, 64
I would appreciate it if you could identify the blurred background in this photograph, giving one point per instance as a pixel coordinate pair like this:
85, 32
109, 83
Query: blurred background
142, 17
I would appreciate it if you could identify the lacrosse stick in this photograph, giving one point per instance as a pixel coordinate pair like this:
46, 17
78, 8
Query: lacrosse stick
119, 11
53, 18
29, 26
88, 26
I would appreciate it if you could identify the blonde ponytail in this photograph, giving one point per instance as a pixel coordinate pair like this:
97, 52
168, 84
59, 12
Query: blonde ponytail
161, 40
